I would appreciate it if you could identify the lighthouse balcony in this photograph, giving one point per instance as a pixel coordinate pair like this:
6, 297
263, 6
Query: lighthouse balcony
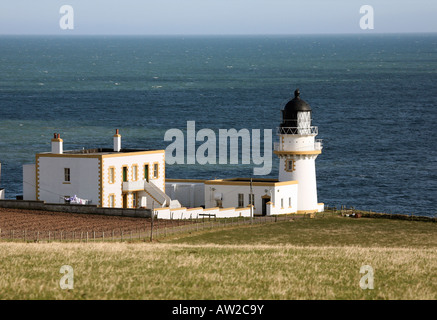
318, 144
298, 130
278, 146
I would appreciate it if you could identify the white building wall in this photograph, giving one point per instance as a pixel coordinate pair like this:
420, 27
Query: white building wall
129, 160
229, 194
2, 191
29, 182
189, 194
305, 174
285, 199
84, 178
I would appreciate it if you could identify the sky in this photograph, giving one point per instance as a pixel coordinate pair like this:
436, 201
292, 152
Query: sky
215, 17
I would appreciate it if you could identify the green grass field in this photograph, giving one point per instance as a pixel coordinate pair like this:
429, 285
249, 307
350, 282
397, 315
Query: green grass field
328, 231
297, 259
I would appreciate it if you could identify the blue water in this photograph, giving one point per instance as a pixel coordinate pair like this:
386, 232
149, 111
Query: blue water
374, 99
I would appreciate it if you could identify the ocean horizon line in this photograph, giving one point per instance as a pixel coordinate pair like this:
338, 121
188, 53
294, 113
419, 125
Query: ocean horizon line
366, 34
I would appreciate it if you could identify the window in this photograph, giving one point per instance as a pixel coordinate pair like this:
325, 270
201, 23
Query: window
240, 200
290, 166
111, 175
289, 202
67, 174
135, 173
252, 199
304, 119
282, 203
134, 200
146, 172
111, 201
155, 171
124, 174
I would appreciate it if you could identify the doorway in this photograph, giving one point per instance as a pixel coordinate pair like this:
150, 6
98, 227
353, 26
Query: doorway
264, 205
125, 201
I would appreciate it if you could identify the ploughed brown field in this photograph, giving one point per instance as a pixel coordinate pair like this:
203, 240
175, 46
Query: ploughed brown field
20, 220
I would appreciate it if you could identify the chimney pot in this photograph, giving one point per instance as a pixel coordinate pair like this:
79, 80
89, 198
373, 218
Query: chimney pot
117, 141
57, 144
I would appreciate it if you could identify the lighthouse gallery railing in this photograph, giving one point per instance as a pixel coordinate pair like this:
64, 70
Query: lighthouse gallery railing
298, 130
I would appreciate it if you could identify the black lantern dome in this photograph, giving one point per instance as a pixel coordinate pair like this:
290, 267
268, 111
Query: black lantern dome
291, 110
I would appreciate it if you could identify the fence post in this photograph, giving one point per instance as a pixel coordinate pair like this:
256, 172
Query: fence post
87, 236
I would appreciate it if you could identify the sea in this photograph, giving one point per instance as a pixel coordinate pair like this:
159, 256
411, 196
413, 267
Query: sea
373, 98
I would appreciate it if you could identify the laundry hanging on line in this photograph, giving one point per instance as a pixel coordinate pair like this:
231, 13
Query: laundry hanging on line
76, 200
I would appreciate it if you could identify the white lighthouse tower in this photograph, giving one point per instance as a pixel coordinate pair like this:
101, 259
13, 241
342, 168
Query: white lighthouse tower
297, 150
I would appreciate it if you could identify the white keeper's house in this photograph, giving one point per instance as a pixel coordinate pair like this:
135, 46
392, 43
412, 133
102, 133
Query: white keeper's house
131, 178
121, 178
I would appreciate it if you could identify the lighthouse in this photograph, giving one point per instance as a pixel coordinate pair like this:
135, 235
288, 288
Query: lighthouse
297, 150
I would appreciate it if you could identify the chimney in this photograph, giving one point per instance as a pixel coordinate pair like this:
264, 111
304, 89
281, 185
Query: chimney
117, 141
57, 144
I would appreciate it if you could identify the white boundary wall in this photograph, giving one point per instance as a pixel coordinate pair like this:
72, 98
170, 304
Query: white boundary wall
197, 213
